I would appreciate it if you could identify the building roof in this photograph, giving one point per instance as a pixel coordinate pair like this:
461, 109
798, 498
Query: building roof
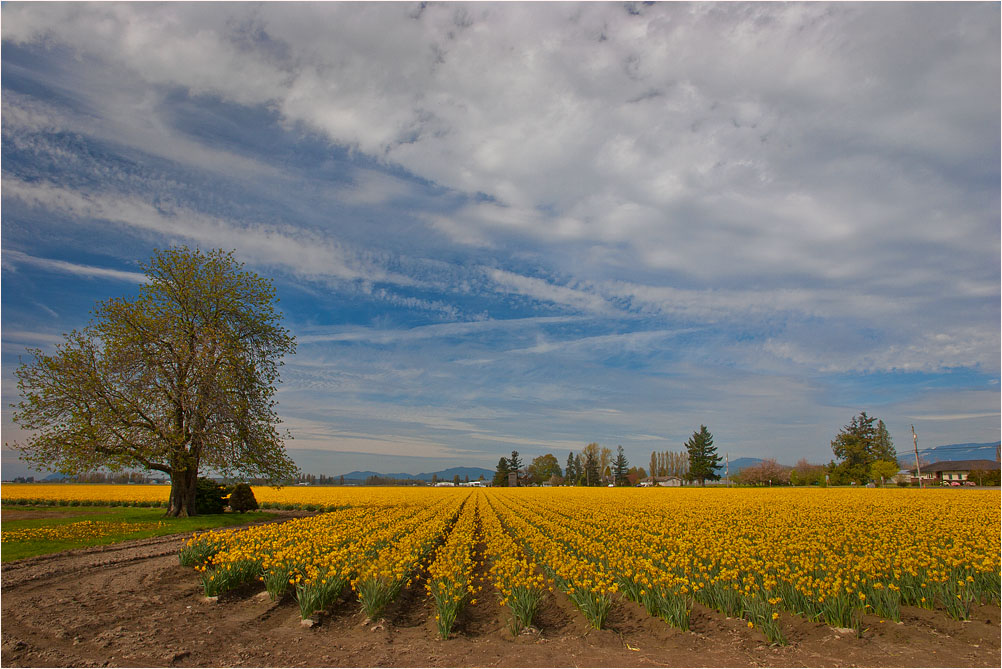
960, 465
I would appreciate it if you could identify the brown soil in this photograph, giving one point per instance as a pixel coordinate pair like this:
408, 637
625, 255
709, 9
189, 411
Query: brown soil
133, 605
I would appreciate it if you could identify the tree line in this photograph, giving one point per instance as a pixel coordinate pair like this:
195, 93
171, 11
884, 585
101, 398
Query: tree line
597, 465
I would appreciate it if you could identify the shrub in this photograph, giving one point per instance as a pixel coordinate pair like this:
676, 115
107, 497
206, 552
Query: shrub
242, 498
210, 497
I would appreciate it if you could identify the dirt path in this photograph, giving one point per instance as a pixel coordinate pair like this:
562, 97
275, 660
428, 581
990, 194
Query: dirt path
133, 605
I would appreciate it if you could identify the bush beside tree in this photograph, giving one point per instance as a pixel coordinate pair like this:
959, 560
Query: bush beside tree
242, 498
210, 497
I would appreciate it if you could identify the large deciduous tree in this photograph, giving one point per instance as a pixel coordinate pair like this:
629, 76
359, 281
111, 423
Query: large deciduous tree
178, 378
543, 468
703, 458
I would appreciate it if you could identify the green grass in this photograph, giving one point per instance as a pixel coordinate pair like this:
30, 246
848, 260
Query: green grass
138, 516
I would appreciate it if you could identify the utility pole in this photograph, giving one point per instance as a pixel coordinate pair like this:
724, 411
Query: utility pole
918, 467
727, 468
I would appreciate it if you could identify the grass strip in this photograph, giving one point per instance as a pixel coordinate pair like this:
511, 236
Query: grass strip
121, 523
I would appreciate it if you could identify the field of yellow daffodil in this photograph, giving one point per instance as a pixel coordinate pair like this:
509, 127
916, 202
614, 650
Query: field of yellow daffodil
829, 555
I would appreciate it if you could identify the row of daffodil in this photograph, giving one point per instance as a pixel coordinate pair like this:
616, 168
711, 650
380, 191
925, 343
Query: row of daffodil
318, 556
514, 575
565, 556
826, 554
451, 574
388, 568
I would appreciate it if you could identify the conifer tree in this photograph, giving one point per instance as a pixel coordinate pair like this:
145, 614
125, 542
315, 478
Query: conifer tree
620, 467
703, 458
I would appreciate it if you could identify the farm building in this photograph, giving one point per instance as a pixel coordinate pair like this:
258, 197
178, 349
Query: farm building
953, 470
667, 481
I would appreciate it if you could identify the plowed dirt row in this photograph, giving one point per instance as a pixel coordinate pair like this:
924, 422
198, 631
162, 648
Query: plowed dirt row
133, 605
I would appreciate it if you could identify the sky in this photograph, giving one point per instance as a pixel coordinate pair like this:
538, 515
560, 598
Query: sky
531, 226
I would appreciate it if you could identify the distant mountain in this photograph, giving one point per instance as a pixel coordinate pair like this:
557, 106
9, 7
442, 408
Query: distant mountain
361, 476
949, 452
738, 464
445, 475
55, 477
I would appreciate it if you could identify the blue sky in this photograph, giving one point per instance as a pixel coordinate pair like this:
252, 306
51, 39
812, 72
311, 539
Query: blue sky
500, 226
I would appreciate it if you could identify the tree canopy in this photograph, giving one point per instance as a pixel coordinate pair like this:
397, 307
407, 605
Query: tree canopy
178, 378
857, 446
543, 468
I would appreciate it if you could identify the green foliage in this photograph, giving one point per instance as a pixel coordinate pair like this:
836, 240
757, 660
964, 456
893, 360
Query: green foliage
232, 575
620, 467
988, 477
763, 613
197, 552
805, 473
703, 458
501, 475
542, 468
857, 446
375, 592
320, 592
178, 377
210, 497
883, 471
139, 524
242, 498
523, 602
515, 465
590, 458
572, 470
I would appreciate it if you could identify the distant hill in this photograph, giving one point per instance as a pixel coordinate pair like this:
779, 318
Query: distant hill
738, 464
949, 452
448, 474
445, 475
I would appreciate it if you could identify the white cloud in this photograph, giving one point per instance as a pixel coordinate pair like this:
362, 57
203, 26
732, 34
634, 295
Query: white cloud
305, 254
76, 269
543, 290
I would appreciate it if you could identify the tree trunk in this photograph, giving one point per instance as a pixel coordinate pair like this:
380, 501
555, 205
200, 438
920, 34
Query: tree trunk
182, 493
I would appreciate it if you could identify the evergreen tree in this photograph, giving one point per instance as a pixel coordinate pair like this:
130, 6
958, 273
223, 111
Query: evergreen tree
242, 498
703, 458
590, 465
571, 472
501, 476
620, 467
514, 463
883, 448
